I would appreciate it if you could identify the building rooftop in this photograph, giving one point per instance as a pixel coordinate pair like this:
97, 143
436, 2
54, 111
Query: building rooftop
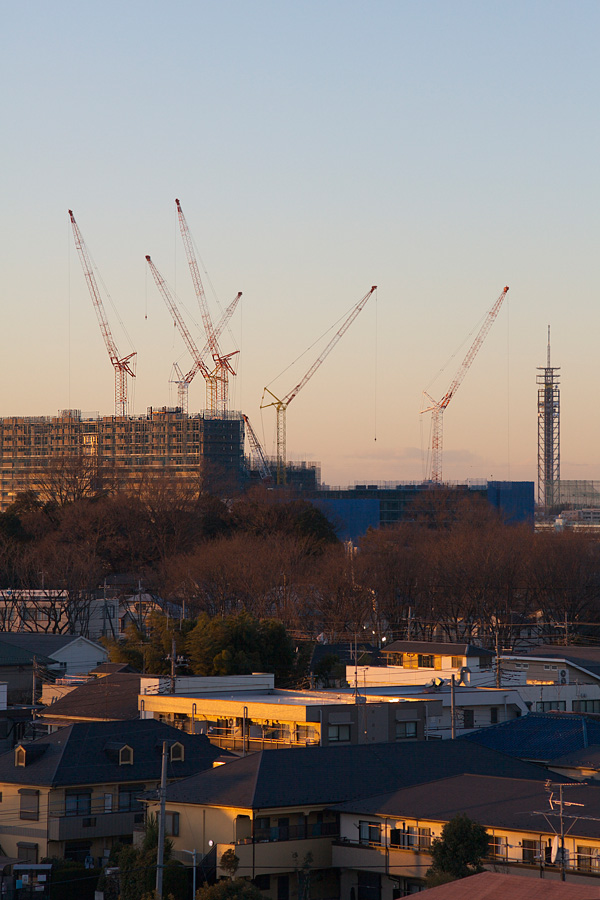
83, 753
438, 648
328, 775
539, 736
113, 697
498, 886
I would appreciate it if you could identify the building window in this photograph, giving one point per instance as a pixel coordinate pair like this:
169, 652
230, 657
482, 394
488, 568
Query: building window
405, 837
338, 733
468, 718
369, 886
20, 756
587, 858
177, 752
78, 803
406, 731
128, 794
27, 853
586, 706
547, 705
494, 715
126, 756
30, 804
426, 661
498, 847
457, 662
531, 851
172, 824
369, 833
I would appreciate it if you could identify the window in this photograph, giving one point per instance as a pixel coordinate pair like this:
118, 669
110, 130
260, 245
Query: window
498, 847
177, 752
369, 886
587, 858
468, 718
457, 662
108, 803
128, 797
586, 706
126, 756
369, 833
338, 733
485, 662
30, 804
20, 756
172, 824
494, 715
406, 731
405, 837
27, 853
547, 705
78, 803
531, 851
426, 660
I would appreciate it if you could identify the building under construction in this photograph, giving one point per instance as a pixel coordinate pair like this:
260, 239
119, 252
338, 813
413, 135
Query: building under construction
83, 454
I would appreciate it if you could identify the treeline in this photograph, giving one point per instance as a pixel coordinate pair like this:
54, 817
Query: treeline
455, 570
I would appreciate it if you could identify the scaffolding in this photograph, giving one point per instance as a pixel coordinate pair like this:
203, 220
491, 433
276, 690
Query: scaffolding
548, 434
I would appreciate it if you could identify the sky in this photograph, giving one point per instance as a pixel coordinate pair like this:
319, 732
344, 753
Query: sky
439, 150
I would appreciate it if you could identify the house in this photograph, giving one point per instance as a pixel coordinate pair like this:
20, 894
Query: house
277, 809
556, 678
74, 793
72, 654
419, 662
388, 837
248, 712
499, 886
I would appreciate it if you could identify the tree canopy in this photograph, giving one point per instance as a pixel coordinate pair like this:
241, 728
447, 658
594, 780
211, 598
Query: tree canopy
460, 849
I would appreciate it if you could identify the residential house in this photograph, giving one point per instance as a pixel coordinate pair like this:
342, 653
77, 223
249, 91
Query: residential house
70, 653
420, 662
108, 699
74, 793
385, 840
277, 809
552, 677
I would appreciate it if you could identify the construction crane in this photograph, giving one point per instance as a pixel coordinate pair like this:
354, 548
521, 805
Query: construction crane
223, 366
183, 381
258, 453
281, 405
437, 407
123, 365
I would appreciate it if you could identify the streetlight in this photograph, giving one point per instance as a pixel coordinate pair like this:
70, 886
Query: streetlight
193, 854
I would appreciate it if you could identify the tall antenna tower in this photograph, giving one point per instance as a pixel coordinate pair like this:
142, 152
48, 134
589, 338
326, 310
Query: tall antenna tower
548, 433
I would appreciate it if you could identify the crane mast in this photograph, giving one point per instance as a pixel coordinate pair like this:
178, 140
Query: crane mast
123, 366
258, 452
223, 366
183, 381
437, 407
281, 405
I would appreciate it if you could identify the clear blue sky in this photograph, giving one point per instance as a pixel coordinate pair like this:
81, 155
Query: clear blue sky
438, 149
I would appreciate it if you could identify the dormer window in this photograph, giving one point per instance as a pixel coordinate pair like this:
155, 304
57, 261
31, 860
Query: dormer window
126, 756
177, 752
20, 756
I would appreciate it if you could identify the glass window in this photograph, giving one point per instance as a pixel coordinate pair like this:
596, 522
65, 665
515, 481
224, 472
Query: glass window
172, 823
586, 706
369, 833
78, 803
531, 851
457, 662
338, 733
468, 718
30, 804
494, 715
498, 847
27, 853
406, 731
405, 837
547, 705
426, 661
587, 858
128, 797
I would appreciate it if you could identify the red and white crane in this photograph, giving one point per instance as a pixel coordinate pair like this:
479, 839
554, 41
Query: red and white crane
223, 366
183, 381
437, 407
124, 366
281, 405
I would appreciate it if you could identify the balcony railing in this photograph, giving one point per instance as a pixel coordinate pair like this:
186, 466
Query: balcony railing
293, 832
63, 827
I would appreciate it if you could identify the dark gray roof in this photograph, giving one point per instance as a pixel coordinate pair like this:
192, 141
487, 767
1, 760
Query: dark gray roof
325, 775
18, 656
439, 648
112, 697
37, 642
110, 668
586, 657
491, 801
587, 757
78, 754
539, 736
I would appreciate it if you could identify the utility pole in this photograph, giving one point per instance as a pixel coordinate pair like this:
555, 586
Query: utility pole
33, 685
160, 853
498, 670
452, 707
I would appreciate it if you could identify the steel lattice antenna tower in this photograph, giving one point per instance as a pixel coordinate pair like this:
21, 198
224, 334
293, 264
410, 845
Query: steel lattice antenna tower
548, 434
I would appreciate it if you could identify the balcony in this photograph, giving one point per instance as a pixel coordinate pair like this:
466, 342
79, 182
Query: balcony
92, 825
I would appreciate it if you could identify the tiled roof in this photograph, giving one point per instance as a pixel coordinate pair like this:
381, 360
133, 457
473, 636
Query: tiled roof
539, 736
78, 754
326, 775
497, 886
494, 802
38, 642
112, 697
439, 648
585, 657
18, 656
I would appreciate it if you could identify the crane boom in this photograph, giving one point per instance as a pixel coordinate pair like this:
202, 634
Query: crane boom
437, 407
258, 452
123, 366
281, 405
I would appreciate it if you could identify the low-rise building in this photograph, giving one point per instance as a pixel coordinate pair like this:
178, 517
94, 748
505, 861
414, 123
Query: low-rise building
419, 662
